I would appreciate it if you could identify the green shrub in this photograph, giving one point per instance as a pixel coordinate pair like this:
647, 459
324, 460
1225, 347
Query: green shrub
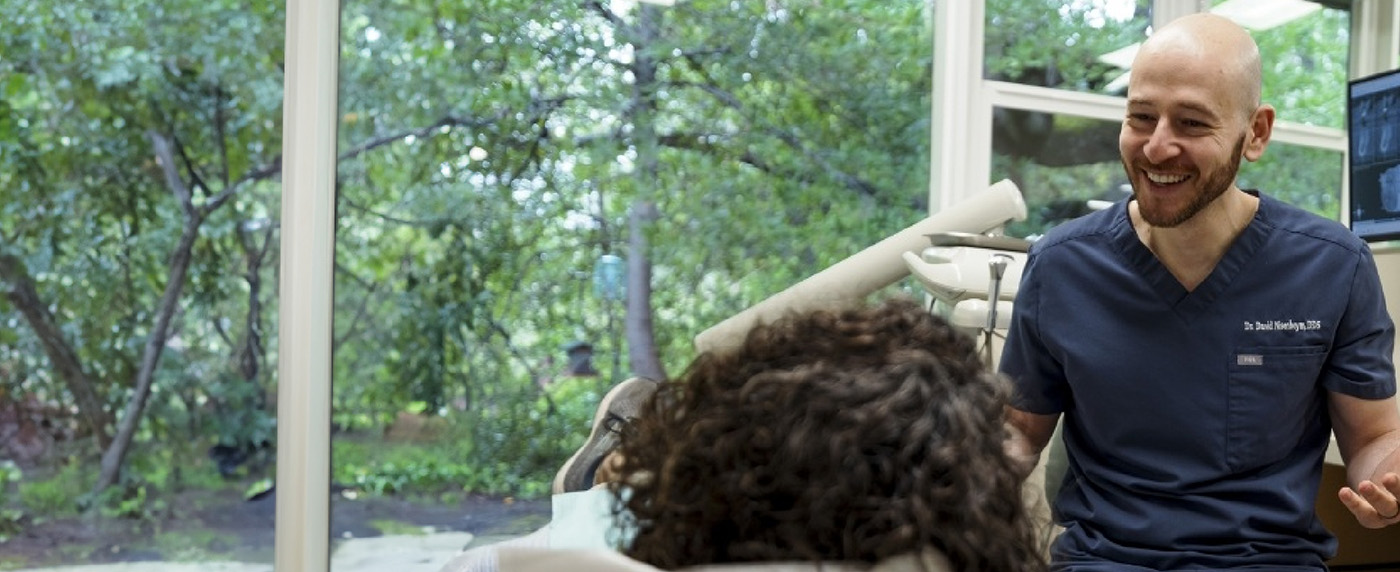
512, 447
9, 473
428, 475
131, 498
59, 494
11, 523
519, 446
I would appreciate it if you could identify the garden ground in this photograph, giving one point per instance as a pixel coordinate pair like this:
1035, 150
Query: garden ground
221, 526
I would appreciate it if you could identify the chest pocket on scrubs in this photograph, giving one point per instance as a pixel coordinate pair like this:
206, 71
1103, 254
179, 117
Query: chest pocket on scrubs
1271, 390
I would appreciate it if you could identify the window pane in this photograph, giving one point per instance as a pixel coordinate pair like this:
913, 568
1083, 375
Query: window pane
1304, 47
1082, 45
541, 200
1070, 161
1307, 177
139, 197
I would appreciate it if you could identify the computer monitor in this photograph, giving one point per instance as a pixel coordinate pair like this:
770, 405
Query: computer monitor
1373, 130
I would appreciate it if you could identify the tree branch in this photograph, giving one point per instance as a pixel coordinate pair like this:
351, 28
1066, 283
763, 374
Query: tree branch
62, 356
396, 220
371, 290
165, 157
156, 340
607, 14
198, 181
221, 134
447, 121
849, 180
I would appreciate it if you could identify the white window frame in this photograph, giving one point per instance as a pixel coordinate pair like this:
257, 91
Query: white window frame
306, 286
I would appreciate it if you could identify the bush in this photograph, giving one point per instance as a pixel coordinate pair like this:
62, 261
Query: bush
512, 447
520, 445
57, 495
11, 518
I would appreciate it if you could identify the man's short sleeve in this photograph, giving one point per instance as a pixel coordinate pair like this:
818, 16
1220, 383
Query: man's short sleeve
1361, 363
1038, 377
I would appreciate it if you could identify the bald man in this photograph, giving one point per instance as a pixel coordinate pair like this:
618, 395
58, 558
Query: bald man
1201, 341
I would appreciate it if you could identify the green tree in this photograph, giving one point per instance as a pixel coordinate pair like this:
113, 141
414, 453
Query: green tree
490, 154
139, 133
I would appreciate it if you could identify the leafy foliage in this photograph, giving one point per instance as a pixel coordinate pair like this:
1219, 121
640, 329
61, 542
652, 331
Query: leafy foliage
514, 450
57, 495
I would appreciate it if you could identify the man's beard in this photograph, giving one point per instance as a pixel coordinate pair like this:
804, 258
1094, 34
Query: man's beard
1210, 189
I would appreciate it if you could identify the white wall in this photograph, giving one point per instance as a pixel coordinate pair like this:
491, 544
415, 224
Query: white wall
1388, 262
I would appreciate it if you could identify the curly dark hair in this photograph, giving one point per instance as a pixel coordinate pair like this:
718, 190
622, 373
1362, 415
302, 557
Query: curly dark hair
851, 434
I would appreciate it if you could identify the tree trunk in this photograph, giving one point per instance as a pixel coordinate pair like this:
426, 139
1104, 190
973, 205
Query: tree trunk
64, 358
250, 354
115, 454
641, 336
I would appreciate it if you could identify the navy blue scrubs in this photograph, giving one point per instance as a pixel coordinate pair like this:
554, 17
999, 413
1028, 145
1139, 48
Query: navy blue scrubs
1195, 423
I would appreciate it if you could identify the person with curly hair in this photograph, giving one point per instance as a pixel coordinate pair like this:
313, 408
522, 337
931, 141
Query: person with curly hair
855, 438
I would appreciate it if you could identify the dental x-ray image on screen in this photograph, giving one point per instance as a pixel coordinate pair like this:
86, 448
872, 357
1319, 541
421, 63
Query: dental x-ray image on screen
1373, 121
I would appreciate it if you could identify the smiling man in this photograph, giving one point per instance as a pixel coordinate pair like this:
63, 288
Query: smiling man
1202, 341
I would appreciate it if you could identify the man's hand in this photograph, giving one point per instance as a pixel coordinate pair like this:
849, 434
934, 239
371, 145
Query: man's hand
1375, 505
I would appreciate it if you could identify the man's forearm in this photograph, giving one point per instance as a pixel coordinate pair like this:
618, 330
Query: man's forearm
1380, 456
1027, 436
1022, 451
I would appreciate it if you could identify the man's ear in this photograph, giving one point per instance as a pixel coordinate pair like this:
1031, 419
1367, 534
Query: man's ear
1261, 127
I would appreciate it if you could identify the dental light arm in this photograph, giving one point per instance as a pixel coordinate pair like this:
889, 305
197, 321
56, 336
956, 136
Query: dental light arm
874, 268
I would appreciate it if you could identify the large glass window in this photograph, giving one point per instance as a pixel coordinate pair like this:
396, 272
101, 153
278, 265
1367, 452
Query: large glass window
1304, 176
1082, 45
543, 199
139, 164
1076, 162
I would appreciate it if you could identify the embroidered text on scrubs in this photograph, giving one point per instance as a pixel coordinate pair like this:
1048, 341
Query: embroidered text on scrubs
1282, 325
